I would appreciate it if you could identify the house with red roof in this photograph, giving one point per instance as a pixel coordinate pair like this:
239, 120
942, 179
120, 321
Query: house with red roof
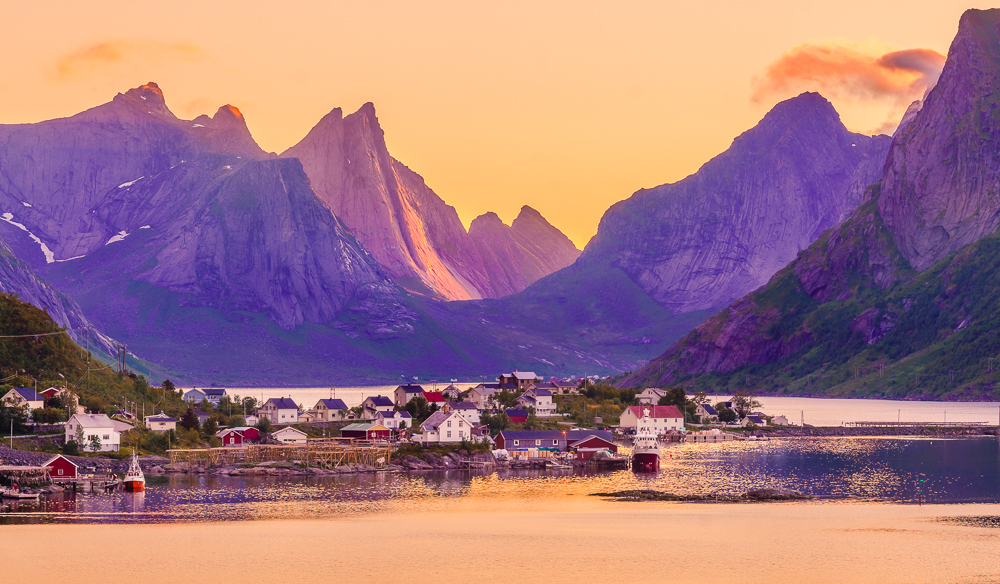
434, 397
663, 418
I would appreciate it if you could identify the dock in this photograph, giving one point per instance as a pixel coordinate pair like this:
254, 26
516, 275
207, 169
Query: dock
327, 453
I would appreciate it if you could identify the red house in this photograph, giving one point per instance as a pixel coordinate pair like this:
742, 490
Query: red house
366, 432
61, 468
586, 447
239, 435
434, 397
517, 416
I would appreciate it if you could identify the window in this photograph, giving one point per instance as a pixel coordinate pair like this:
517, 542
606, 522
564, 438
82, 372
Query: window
60, 471
515, 443
461, 424
555, 443
449, 433
461, 433
106, 437
538, 442
449, 423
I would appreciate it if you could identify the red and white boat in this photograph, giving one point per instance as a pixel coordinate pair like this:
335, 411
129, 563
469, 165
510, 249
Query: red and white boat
646, 446
135, 481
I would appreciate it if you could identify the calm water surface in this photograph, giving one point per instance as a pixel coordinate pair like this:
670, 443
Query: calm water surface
901, 470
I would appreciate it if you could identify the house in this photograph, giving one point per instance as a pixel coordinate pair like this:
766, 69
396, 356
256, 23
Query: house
520, 379
310, 416
52, 392
280, 410
451, 392
82, 428
62, 468
161, 422
404, 393
511, 440
481, 395
24, 396
481, 431
210, 394
376, 403
755, 420
707, 413
366, 432
586, 447
663, 418
435, 398
516, 416
564, 386
122, 427
289, 435
394, 420
780, 421
446, 427
331, 410
467, 409
70, 398
231, 437
250, 434
251, 419
650, 396
540, 399
202, 416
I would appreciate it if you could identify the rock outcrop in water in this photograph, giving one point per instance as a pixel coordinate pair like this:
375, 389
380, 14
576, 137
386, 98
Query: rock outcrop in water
409, 229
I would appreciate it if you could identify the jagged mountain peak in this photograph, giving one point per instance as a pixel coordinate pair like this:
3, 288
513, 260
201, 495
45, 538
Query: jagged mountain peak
229, 114
148, 97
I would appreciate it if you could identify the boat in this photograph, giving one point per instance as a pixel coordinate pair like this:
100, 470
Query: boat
645, 446
134, 481
17, 494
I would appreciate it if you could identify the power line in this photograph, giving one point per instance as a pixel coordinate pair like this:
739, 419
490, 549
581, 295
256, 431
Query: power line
37, 335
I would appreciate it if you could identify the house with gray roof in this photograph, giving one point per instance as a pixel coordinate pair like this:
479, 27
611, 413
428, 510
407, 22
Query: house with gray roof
82, 428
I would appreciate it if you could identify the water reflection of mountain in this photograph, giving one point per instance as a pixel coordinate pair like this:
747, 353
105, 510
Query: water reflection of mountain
881, 469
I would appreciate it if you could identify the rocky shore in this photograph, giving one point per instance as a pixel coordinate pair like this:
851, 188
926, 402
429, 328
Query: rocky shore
876, 432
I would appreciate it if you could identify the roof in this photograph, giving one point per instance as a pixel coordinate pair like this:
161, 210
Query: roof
122, 426
755, 419
709, 410
512, 413
190, 391
363, 427
57, 457
657, 411
486, 388
216, 391
94, 420
29, 394
283, 403
462, 406
525, 375
400, 414
526, 398
588, 437
434, 396
437, 418
160, 418
201, 414
334, 404
656, 390
545, 385
411, 388
379, 400
451, 388
540, 392
222, 433
287, 429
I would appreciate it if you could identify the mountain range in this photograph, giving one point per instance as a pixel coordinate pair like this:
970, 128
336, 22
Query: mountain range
899, 300
334, 262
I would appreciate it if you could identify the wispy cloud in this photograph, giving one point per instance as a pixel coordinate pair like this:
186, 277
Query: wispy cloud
852, 71
117, 52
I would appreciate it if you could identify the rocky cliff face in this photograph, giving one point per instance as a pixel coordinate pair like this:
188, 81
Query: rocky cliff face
702, 242
54, 174
407, 227
942, 176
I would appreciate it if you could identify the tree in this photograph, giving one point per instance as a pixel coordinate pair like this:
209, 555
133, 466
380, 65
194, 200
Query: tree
727, 415
48, 415
16, 414
532, 420
189, 420
264, 425
700, 398
495, 420
210, 427
168, 385
673, 397
71, 448
236, 421
95, 443
744, 403
79, 434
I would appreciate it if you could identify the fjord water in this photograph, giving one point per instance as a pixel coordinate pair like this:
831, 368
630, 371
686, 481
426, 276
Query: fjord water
897, 470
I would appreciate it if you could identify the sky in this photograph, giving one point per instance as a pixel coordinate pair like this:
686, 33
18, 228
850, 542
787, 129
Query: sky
566, 106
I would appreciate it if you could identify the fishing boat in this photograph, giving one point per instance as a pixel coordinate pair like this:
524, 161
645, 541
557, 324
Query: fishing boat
134, 481
646, 446
17, 494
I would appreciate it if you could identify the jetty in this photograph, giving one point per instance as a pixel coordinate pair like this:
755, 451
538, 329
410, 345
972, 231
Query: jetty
327, 453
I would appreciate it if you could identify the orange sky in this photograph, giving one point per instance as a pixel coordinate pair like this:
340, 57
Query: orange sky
567, 106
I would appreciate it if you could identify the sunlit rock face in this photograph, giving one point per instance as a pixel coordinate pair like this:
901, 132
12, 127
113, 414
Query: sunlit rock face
409, 229
700, 243
941, 189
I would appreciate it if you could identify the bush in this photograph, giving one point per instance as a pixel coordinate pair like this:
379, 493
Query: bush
48, 415
71, 448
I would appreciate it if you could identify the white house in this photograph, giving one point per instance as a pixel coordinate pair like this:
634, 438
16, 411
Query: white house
540, 399
25, 396
212, 394
404, 393
707, 413
780, 421
755, 420
481, 395
467, 409
161, 423
650, 396
663, 418
83, 427
376, 403
194, 395
280, 410
332, 410
290, 435
446, 427
394, 420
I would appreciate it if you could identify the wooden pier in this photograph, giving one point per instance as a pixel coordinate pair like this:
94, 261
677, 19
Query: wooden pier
327, 453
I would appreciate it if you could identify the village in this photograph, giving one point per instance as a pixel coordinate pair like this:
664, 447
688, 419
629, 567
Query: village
518, 421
